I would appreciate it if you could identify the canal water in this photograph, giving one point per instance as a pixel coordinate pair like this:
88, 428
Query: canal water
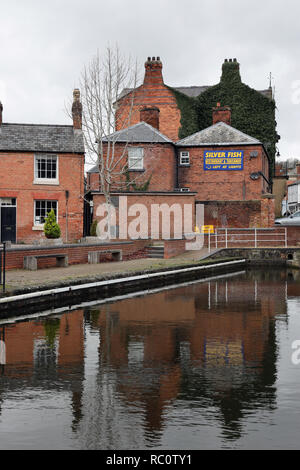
207, 365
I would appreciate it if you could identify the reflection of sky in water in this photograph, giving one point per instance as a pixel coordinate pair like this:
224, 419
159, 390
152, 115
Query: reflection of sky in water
198, 367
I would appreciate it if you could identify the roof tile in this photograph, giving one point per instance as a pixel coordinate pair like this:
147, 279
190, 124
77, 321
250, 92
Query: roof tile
40, 138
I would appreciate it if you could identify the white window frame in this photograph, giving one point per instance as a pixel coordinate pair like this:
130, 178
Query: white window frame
38, 180
37, 226
140, 159
184, 155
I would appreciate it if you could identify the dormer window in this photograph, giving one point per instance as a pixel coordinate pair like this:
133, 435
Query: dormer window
184, 158
46, 169
135, 158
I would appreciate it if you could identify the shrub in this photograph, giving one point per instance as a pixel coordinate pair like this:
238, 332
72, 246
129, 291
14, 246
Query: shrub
51, 227
93, 229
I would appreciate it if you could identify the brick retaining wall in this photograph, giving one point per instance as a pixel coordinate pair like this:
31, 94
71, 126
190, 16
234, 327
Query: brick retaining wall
77, 253
174, 248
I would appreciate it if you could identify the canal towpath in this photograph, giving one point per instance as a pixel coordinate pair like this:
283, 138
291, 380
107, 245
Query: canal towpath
23, 280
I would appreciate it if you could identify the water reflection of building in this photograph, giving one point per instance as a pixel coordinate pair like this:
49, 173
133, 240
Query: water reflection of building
213, 341
46, 353
204, 345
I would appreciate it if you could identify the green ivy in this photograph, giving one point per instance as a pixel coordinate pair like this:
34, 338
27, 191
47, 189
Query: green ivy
51, 326
251, 112
93, 228
136, 187
188, 111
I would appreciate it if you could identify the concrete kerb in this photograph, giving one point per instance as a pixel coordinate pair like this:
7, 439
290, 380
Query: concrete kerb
70, 294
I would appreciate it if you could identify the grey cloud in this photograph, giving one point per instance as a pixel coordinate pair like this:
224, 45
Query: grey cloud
44, 46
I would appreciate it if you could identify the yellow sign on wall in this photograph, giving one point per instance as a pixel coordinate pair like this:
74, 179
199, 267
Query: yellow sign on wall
207, 229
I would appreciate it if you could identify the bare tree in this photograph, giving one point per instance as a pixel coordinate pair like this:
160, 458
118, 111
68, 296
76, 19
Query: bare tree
102, 82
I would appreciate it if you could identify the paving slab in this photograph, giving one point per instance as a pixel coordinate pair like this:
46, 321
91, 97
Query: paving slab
21, 278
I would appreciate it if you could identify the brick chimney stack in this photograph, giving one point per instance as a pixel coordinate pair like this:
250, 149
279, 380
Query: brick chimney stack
1, 111
77, 110
150, 115
153, 71
222, 114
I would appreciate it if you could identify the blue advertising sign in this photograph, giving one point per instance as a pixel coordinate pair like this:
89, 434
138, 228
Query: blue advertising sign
223, 160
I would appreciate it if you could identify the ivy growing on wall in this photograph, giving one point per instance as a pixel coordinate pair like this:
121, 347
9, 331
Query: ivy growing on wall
188, 110
251, 111
136, 187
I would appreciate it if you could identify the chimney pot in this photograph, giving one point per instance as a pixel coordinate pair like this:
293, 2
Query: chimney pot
153, 72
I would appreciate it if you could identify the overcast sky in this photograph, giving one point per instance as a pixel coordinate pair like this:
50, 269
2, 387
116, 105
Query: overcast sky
44, 45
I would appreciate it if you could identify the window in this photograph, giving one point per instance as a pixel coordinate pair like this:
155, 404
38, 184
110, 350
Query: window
41, 209
184, 158
8, 201
136, 158
46, 168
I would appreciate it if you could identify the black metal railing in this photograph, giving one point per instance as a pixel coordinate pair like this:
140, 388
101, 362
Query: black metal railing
2, 265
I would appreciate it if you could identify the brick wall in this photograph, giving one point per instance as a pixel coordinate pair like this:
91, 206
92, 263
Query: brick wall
77, 253
267, 210
279, 191
159, 166
240, 214
224, 185
17, 180
174, 248
293, 235
149, 201
152, 92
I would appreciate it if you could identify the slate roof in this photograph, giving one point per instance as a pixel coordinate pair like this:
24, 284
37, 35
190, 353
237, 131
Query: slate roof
140, 132
218, 134
94, 169
40, 138
191, 91
195, 90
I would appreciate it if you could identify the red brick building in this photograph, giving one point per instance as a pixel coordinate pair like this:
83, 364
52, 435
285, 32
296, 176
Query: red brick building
223, 177
220, 167
175, 105
155, 94
42, 168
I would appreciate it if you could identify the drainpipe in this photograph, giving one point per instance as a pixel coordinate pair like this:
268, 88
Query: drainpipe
176, 169
67, 228
269, 182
